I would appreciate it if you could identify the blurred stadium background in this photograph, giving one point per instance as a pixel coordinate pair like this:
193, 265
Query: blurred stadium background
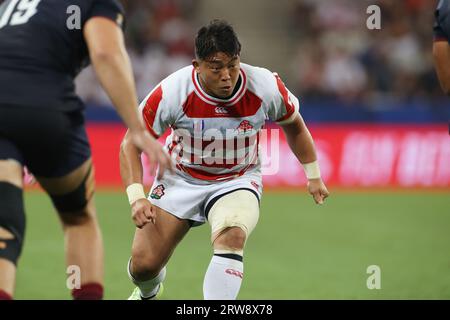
380, 122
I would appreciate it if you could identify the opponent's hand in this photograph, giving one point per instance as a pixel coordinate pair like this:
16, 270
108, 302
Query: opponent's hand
318, 190
143, 212
154, 151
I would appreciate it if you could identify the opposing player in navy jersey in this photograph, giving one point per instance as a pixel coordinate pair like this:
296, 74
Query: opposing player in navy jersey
441, 45
44, 44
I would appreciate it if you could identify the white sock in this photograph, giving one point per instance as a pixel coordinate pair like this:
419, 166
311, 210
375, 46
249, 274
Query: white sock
223, 278
148, 288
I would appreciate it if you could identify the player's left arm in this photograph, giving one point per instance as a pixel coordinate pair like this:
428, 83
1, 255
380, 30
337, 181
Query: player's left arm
302, 145
284, 110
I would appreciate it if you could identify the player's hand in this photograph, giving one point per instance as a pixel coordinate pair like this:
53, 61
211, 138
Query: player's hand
28, 177
318, 190
142, 212
154, 151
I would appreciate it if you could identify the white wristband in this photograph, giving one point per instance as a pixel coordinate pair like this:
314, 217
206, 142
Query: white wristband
135, 192
312, 170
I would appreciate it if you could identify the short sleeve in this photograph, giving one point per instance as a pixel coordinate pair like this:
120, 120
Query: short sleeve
441, 27
155, 112
284, 106
110, 9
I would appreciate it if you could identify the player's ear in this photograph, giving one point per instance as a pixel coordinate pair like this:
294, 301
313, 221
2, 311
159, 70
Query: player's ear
196, 64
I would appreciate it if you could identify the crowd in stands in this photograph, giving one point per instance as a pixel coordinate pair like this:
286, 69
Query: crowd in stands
160, 40
337, 57
340, 58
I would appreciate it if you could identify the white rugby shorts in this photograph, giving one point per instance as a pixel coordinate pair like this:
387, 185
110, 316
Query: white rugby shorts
189, 201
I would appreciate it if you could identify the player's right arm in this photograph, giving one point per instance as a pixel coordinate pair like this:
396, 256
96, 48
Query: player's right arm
131, 170
155, 110
441, 45
112, 65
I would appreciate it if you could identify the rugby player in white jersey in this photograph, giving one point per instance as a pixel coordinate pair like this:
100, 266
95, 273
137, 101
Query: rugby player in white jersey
215, 109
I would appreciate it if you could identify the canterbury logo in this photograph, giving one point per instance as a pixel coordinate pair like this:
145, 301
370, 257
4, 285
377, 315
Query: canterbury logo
235, 273
221, 110
255, 185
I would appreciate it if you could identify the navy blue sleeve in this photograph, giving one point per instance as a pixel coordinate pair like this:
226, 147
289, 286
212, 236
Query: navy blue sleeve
110, 9
441, 28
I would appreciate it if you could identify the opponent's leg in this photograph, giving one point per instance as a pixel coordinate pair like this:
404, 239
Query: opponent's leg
12, 224
232, 218
152, 247
72, 196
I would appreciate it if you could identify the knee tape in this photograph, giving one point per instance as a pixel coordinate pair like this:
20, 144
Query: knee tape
77, 199
239, 208
12, 222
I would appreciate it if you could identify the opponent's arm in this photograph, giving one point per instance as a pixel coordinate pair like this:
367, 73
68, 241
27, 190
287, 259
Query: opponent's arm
441, 44
302, 145
112, 65
441, 54
131, 171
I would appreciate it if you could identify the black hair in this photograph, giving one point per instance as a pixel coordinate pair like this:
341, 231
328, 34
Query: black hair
217, 36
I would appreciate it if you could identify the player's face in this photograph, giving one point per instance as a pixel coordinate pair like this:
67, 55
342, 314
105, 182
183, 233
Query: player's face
218, 74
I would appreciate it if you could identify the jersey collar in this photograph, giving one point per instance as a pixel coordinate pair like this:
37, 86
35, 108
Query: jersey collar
216, 101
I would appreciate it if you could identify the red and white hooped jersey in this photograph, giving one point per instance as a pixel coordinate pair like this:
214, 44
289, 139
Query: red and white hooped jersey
215, 139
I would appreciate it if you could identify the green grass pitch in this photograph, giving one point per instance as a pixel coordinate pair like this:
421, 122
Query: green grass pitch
297, 251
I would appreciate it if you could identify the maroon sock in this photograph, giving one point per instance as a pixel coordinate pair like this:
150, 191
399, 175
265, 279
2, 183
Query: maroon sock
4, 295
88, 291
